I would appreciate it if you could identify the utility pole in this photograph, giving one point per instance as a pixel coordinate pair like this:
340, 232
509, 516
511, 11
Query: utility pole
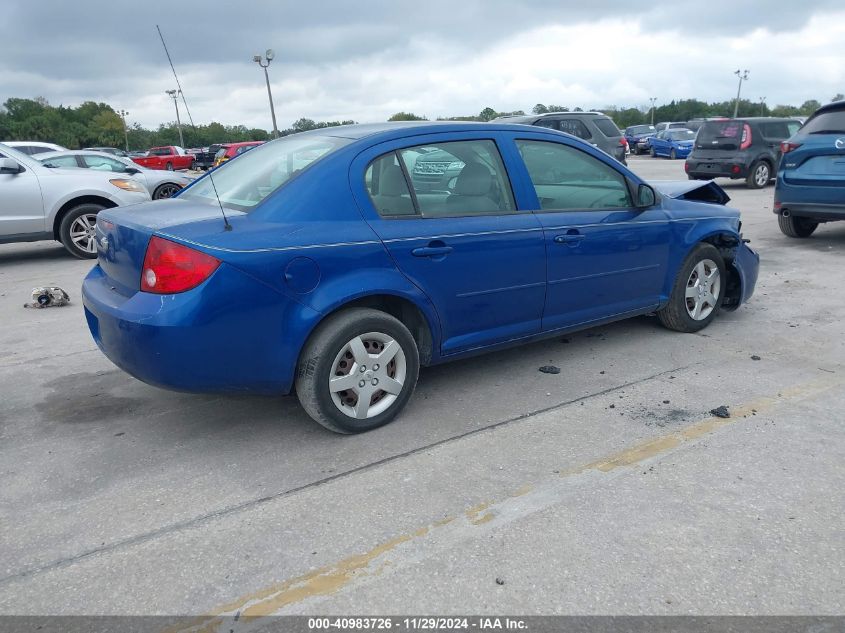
123, 114
268, 56
743, 76
653, 101
762, 105
174, 94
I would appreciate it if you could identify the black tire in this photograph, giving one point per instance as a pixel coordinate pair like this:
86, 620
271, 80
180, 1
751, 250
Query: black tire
796, 227
672, 154
675, 314
194, 166
68, 221
316, 366
652, 153
165, 190
169, 166
759, 175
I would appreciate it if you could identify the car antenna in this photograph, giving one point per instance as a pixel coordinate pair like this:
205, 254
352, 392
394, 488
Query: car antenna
228, 227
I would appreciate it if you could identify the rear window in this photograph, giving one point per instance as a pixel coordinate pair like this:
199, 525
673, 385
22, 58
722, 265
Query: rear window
829, 122
720, 135
681, 135
640, 129
607, 127
160, 151
243, 183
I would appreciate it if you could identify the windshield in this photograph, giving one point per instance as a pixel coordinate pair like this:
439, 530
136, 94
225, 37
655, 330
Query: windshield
641, 129
682, 135
243, 183
830, 122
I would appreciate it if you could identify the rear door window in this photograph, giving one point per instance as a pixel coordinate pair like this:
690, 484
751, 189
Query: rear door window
776, 131
62, 161
574, 127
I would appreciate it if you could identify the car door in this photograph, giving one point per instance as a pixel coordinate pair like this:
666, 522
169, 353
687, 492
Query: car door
659, 143
445, 211
605, 257
21, 204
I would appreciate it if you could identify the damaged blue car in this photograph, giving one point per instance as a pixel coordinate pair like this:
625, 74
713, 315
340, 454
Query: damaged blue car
335, 263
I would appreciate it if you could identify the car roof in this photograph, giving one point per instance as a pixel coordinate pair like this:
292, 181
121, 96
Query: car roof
78, 152
835, 105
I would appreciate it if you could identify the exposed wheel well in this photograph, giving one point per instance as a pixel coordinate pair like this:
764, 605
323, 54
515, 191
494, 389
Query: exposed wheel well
727, 244
70, 204
404, 310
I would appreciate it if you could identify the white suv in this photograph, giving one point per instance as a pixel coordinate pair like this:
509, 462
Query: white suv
42, 203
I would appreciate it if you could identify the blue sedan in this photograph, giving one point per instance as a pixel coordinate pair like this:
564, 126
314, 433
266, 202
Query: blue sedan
672, 143
326, 263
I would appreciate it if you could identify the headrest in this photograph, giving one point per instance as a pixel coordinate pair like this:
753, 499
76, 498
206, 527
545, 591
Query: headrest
392, 182
474, 180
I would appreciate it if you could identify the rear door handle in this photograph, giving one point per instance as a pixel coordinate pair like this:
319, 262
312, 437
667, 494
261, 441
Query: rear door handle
431, 251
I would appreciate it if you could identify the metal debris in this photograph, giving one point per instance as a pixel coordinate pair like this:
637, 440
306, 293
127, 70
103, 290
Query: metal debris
48, 297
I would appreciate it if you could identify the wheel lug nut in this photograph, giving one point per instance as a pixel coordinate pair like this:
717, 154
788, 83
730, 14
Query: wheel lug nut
375, 381
361, 384
375, 367
363, 368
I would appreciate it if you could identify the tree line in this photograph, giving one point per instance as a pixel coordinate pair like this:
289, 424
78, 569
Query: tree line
98, 124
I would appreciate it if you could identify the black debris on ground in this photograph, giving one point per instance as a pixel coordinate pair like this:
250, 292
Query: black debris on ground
721, 412
550, 369
665, 402
755, 357
500, 581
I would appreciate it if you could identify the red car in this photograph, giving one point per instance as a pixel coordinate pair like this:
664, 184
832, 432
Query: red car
169, 157
228, 151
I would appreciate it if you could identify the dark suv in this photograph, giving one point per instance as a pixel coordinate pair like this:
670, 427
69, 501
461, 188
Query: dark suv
739, 148
594, 127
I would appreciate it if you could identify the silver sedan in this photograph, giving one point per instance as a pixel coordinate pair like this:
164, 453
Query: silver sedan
159, 182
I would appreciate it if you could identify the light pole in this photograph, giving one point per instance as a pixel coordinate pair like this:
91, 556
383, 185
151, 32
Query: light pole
174, 94
743, 76
123, 114
268, 57
762, 105
653, 101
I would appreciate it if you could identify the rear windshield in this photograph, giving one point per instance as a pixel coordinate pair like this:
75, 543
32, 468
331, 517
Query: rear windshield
829, 122
720, 135
607, 127
243, 183
681, 135
160, 151
640, 129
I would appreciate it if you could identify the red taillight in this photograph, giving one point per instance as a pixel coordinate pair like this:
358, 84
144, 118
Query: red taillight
786, 146
686, 167
735, 169
623, 142
170, 267
746, 137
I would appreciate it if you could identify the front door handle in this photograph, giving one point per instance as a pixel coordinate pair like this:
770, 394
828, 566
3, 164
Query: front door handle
431, 251
572, 238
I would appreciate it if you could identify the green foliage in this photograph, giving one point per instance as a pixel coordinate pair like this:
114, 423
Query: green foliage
406, 116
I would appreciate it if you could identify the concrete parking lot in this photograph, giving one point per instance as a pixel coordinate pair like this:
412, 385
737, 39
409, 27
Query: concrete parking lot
606, 489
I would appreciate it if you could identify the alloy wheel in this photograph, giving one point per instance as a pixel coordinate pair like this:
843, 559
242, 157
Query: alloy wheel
83, 234
703, 289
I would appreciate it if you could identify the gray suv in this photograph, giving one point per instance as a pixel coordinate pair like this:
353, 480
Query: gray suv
594, 127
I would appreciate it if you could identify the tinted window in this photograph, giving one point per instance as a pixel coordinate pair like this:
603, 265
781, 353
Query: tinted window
777, 130
61, 161
681, 135
388, 189
574, 127
720, 135
458, 178
102, 163
547, 123
830, 122
567, 178
640, 129
245, 182
607, 127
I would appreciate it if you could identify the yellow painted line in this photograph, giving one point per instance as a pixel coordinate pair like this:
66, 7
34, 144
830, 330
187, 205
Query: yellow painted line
331, 578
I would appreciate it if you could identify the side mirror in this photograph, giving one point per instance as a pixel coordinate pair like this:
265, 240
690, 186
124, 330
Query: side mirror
132, 170
645, 197
10, 166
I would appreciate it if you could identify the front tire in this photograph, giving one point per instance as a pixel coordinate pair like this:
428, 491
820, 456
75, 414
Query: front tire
698, 291
672, 154
652, 153
796, 227
76, 231
759, 175
166, 190
169, 166
357, 371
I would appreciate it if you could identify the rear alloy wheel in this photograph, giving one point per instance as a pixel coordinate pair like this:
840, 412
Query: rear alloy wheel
672, 154
796, 227
698, 291
759, 175
357, 371
77, 231
166, 190
652, 152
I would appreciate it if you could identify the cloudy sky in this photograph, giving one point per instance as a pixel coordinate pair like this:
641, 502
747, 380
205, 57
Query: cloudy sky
366, 60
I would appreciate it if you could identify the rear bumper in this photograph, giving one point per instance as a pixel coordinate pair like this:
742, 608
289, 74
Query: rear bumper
822, 202
705, 168
230, 334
